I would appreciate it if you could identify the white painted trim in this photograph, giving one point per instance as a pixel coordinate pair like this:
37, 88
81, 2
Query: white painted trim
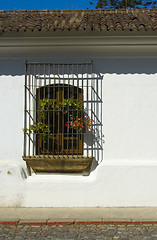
60, 178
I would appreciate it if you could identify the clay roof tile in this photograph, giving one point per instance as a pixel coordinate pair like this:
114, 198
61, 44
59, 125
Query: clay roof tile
102, 20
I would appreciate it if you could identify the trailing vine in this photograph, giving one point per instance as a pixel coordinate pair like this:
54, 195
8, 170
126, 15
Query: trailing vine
49, 106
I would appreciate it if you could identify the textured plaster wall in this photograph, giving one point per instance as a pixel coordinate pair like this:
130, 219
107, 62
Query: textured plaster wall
126, 175
12, 102
12, 174
130, 116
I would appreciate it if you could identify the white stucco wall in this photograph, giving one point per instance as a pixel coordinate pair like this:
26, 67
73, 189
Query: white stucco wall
126, 175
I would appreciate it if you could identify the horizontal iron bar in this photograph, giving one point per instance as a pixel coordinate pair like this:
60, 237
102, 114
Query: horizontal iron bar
47, 63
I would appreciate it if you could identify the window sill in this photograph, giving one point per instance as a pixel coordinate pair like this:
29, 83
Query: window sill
59, 164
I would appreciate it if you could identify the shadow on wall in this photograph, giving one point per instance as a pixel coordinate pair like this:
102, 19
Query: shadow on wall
125, 66
110, 66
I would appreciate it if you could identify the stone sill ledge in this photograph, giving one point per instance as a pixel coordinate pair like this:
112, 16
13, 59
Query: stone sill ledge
59, 164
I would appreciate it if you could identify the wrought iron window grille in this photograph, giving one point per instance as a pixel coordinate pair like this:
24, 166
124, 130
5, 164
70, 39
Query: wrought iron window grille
62, 111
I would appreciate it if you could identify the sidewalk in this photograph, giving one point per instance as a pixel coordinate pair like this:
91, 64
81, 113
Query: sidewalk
78, 215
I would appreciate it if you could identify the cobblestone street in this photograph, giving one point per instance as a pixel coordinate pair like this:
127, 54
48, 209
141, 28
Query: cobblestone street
80, 231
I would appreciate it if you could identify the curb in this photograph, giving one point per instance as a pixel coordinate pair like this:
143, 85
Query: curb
74, 222
9, 222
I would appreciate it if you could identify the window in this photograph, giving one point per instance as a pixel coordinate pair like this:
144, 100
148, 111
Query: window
61, 111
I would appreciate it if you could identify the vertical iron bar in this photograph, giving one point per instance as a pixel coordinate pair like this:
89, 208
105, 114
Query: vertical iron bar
54, 97
29, 83
87, 104
44, 80
25, 112
68, 72
82, 111
97, 116
58, 111
78, 134
49, 111
63, 137
73, 95
91, 72
94, 111
33, 105
101, 125
38, 110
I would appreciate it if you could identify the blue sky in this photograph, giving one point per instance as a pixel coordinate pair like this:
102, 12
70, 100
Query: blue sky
43, 4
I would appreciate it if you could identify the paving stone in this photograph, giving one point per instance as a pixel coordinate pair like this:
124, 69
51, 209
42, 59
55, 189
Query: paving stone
18, 238
79, 232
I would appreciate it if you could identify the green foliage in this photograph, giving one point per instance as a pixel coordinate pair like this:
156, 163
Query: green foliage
48, 106
116, 4
40, 128
66, 105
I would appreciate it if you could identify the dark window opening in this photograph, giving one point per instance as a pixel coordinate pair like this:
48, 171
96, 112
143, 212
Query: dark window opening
58, 106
